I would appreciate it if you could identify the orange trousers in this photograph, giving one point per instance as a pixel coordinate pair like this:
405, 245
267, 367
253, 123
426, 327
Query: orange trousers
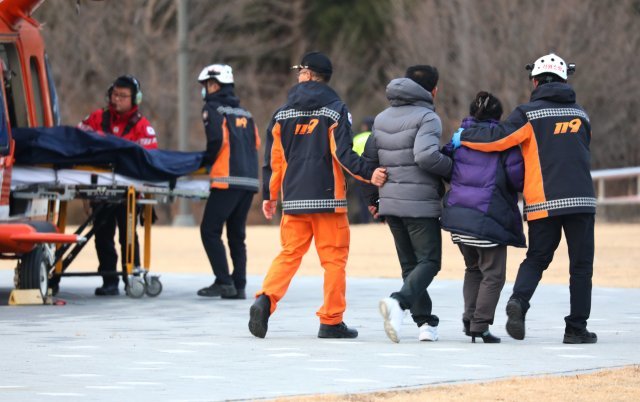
331, 234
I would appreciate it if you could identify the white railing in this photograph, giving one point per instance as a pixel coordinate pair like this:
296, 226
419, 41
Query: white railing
600, 177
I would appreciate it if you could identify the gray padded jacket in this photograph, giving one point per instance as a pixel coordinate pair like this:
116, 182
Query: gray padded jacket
406, 140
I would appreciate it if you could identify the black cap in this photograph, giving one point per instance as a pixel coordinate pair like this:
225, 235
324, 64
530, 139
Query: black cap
315, 61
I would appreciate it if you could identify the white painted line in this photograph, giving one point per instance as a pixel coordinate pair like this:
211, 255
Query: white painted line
73, 356
106, 387
612, 331
352, 380
198, 344
325, 369
337, 342
277, 349
60, 394
437, 349
11, 386
81, 375
392, 354
577, 356
292, 354
426, 377
325, 361
80, 347
203, 377
399, 367
143, 368
472, 365
562, 348
139, 383
152, 363
176, 351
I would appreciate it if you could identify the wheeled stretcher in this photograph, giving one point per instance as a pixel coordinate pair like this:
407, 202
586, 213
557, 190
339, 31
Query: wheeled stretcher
59, 186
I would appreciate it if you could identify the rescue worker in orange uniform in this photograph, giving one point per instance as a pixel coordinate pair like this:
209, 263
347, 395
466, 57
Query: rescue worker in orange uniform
308, 147
123, 119
232, 153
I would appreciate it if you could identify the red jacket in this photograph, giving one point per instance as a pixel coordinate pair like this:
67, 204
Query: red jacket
140, 132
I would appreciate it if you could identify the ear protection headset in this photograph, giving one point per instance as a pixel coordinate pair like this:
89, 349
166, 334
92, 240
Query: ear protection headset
128, 81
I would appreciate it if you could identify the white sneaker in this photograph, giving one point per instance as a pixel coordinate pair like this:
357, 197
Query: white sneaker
428, 333
393, 315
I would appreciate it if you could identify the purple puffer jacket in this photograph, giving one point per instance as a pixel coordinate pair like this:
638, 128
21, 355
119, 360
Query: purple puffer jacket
483, 199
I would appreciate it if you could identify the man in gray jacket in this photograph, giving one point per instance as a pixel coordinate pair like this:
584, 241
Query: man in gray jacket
406, 140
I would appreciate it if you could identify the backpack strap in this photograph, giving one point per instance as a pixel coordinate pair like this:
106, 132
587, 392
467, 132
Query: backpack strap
106, 121
132, 122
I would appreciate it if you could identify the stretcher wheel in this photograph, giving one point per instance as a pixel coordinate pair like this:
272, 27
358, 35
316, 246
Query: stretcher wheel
32, 271
135, 289
153, 286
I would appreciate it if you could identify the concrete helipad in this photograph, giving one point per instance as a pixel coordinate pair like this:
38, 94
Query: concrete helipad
180, 347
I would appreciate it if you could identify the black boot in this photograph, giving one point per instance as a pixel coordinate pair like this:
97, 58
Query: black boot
515, 319
241, 294
466, 327
107, 290
579, 336
218, 290
259, 316
337, 331
486, 336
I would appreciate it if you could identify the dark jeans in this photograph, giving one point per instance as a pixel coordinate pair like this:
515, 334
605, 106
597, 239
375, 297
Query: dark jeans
484, 278
105, 222
544, 237
419, 245
230, 207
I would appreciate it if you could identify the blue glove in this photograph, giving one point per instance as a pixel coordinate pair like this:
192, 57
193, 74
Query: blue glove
455, 139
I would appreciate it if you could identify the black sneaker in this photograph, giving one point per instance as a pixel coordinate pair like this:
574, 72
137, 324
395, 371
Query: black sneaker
337, 331
579, 336
218, 290
515, 319
111, 290
241, 294
259, 316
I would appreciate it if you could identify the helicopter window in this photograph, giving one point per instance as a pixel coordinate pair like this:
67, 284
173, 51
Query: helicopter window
53, 95
14, 89
36, 87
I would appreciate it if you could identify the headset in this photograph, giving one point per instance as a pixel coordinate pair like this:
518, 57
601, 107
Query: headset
136, 96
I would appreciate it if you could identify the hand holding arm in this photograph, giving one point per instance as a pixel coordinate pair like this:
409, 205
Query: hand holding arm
379, 176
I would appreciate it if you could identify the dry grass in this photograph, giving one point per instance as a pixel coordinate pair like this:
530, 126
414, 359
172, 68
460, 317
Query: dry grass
622, 384
372, 254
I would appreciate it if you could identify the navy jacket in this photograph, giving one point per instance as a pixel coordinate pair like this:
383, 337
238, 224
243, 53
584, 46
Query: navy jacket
308, 146
483, 199
232, 142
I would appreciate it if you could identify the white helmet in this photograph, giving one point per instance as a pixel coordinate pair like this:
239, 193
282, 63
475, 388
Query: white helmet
220, 72
551, 64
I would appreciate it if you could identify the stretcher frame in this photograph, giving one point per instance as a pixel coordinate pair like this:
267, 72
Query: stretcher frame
59, 186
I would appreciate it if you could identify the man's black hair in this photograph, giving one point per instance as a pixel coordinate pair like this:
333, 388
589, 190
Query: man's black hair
486, 107
426, 76
547, 78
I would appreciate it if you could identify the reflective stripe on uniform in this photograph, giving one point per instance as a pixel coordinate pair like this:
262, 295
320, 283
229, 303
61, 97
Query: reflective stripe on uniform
556, 112
560, 204
313, 204
240, 181
293, 113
